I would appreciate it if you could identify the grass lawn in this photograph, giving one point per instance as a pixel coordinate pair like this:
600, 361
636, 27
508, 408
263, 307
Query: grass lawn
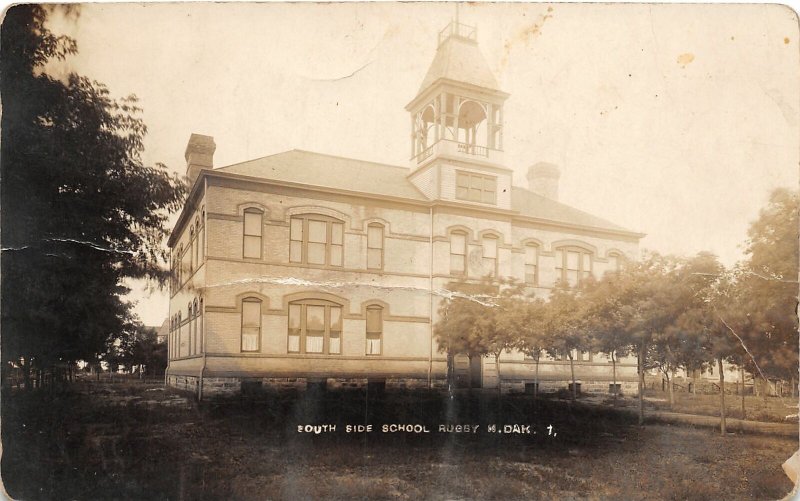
773, 409
118, 441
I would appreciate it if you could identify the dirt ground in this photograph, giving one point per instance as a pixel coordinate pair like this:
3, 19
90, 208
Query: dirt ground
136, 442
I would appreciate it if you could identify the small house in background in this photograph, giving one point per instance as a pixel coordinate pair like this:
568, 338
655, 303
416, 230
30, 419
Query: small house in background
302, 268
162, 331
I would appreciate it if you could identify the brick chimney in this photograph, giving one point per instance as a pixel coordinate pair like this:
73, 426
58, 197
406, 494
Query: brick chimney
199, 155
543, 180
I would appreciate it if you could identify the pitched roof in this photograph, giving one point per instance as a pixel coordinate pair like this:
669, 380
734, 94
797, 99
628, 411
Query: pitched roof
531, 204
461, 60
327, 171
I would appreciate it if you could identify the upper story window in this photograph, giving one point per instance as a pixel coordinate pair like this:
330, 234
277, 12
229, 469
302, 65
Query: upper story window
315, 326
252, 233
315, 239
251, 324
374, 330
476, 187
198, 244
532, 264
458, 253
573, 264
192, 249
375, 246
489, 259
615, 261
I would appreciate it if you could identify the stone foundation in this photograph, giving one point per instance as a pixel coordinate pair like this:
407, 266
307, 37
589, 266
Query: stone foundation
592, 387
235, 386
186, 383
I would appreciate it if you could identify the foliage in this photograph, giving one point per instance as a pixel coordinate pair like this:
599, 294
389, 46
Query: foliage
80, 211
768, 288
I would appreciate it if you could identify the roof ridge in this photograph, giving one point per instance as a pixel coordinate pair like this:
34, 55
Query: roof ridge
298, 150
347, 158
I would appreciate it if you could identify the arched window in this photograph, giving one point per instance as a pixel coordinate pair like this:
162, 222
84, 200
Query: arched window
195, 340
375, 246
532, 264
489, 259
183, 342
198, 243
458, 253
316, 239
200, 327
180, 266
201, 238
315, 326
573, 264
374, 330
251, 324
252, 233
191, 249
615, 262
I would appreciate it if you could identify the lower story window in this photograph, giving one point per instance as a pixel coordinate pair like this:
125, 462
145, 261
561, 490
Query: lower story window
315, 326
374, 330
251, 324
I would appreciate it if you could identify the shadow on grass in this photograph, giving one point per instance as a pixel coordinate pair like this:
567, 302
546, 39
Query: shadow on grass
93, 442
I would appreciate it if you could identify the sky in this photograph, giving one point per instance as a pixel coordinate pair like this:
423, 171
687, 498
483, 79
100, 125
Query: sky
673, 120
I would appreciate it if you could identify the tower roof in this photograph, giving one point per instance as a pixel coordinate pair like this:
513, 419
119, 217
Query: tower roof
458, 58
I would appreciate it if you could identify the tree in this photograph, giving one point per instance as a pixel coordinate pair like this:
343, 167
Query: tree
497, 332
646, 299
608, 320
769, 277
80, 211
465, 319
527, 319
565, 327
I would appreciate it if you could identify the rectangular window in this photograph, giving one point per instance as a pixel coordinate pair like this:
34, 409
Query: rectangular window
337, 244
458, 253
586, 266
316, 241
490, 256
252, 234
374, 330
315, 328
294, 328
573, 265
531, 264
375, 247
251, 325
201, 255
476, 187
335, 338
296, 241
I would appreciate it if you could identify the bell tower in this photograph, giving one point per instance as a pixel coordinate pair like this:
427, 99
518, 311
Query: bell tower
457, 125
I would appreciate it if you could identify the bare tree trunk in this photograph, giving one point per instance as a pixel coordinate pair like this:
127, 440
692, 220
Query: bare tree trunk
497, 366
26, 374
572, 372
670, 383
614, 375
721, 396
536, 377
741, 376
694, 382
640, 363
451, 371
